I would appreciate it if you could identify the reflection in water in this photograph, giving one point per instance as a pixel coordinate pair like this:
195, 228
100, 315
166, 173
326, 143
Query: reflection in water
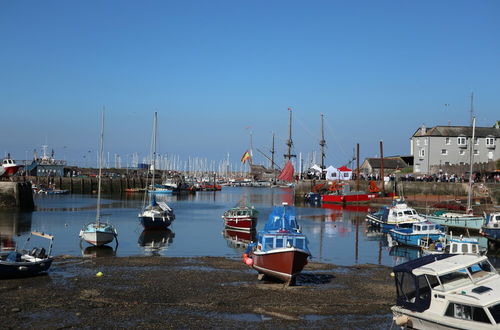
13, 224
238, 239
404, 253
99, 251
155, 241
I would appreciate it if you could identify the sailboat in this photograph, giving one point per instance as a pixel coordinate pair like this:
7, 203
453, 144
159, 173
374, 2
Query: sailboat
99, 233
461, 220
155, 214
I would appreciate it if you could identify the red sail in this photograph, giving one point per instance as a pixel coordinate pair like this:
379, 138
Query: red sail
287, 173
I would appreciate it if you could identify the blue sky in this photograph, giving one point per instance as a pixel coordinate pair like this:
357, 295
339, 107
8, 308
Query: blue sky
376, 69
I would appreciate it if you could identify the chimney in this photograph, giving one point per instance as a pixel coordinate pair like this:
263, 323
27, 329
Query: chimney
423, 130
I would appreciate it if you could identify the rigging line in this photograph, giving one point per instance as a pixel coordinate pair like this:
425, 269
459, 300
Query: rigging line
305, 128
335, 139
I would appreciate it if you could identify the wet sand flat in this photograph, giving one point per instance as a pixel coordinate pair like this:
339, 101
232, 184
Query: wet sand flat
205, 292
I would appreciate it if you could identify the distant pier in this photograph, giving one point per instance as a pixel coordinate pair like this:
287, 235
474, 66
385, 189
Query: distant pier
16, 195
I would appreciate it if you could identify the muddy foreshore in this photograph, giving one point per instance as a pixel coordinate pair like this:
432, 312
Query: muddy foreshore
205, 292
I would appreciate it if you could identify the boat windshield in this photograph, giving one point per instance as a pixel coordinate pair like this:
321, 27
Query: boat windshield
465, 276
495, 312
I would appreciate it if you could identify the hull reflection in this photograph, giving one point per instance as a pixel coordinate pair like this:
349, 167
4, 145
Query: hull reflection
99, 251
155, 241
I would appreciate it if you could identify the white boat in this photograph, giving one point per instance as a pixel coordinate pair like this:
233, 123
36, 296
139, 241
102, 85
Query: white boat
9, 167
491, 227
453, 245
155, 215
399, 214
99, 233
447, 292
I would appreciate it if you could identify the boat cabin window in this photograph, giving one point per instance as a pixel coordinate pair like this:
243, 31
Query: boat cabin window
454, 248
408, 212
466, 312
474, 248
425, 227
400, 214
289, 242
465, 248
300, 243
279, 242
495, 312
268, 243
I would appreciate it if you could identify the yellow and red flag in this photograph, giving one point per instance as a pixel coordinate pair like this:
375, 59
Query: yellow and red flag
245, 157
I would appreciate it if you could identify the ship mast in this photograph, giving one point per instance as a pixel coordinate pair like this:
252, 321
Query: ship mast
289, 142
322, 144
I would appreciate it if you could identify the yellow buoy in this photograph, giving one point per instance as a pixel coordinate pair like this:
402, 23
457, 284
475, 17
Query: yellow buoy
99, 274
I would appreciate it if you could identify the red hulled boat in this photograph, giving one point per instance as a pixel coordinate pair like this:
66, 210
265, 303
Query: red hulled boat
281, 250
241, 217
341, 194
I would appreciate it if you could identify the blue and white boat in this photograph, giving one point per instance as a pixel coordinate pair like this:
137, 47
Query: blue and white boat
399, 214
412, 236
491, 227
452, 245
282, 249
99, 233
160, 189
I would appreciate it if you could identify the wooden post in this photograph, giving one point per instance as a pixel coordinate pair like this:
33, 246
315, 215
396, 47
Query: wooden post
382, 168
357, 174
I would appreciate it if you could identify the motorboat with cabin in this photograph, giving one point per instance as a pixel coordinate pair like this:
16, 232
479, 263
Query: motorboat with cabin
412, 236
281, 250
398, 214
452, 245
447, 291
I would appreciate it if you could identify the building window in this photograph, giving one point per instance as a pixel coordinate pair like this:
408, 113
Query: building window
490, 141
447, 140
476, 152
418, 142
425, 141
462, 163
421, 153
444, 152
447, 163
461, 140
490, 155
461, 152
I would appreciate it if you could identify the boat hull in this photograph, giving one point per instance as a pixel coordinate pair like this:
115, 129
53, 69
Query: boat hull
412, 239
492, 234
23, 269
98, 238
284, 264
155, 222
347, 199
246, 224
466, 222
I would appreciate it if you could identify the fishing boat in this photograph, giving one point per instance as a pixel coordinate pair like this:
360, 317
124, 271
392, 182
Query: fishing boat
341, 194
447, 291
99, 233
412, 236
9, 166
26, 262
450, 244
461, 220
155, 214
281, 250
241, 217
398, 214
491, 227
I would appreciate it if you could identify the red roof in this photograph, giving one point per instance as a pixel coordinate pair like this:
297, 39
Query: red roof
344, 169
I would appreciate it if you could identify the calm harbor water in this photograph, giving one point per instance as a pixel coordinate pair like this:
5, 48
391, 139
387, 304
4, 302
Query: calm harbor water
338, 236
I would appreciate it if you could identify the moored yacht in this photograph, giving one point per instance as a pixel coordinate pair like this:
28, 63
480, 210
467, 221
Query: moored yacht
398, 214
447, 292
